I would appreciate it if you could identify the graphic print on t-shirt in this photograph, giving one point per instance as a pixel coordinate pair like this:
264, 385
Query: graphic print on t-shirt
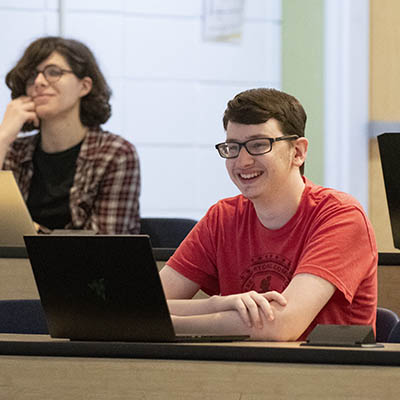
268, 272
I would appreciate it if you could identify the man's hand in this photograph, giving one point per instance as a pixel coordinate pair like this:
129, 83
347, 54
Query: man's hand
250, 306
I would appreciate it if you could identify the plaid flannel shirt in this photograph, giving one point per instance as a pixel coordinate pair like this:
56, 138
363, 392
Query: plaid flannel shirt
105, 193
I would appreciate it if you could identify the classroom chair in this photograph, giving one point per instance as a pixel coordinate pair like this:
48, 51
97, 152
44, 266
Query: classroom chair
22, 316
394, 336
386, 320
166, 232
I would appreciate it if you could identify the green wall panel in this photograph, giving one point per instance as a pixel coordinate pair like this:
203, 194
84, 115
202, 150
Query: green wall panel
302, 72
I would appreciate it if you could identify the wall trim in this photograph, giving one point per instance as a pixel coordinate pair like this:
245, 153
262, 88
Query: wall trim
375, 128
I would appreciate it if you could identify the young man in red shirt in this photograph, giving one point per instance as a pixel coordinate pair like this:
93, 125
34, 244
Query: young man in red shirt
284, 255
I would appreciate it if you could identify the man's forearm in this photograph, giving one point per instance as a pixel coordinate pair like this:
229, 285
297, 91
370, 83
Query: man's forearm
224, 323
191, 307
220, 323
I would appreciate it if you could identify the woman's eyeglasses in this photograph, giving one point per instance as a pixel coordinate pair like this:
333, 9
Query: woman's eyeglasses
52, 74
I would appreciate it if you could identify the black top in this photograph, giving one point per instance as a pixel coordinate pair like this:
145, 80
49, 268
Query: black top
53, 176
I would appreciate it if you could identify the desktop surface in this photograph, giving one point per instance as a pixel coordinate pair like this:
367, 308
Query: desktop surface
108, 378
248, 351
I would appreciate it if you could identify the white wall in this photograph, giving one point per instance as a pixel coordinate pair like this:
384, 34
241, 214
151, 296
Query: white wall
20, 22
170, 87
347, 96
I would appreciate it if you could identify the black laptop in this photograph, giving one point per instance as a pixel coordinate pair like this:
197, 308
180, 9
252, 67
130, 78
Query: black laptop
103, 288
389, 149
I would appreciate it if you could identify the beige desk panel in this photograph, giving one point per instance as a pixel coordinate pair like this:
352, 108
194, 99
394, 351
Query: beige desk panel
389, 287
16, 279
17, 282
37, 378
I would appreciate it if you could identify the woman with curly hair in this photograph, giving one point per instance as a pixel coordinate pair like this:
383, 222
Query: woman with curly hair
72, 174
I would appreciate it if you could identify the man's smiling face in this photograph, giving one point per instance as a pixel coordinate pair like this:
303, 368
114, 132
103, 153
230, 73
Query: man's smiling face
262, 175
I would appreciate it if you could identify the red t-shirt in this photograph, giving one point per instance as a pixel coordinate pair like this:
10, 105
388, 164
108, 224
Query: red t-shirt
229, 251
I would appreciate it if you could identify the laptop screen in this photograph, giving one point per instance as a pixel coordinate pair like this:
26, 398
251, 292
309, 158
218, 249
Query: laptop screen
389, 149
15, 220
100, 287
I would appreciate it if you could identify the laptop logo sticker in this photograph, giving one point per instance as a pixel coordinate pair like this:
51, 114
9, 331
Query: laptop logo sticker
98, 288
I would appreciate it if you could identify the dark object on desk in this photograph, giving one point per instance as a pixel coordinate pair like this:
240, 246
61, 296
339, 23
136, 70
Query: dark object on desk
389, 259
166, 232
22, 316
386, 320
341, 335
389, 149
104, 288
13, 252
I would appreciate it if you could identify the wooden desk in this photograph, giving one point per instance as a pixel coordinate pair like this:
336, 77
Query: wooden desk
32, 377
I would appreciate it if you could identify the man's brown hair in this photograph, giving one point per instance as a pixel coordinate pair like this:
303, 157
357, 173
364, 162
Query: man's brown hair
256, 106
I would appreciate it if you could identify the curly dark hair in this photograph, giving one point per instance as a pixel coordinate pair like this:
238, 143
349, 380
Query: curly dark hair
95, 108
256, 106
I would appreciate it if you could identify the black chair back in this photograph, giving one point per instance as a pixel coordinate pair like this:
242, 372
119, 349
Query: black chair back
394, 336
22, 316
166, 232
386, 320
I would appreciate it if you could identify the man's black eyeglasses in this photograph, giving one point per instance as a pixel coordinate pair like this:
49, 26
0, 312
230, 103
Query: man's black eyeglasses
52, 74
255, 147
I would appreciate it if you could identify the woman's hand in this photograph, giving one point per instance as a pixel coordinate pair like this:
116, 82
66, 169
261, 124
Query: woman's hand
18, 112
250, 305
